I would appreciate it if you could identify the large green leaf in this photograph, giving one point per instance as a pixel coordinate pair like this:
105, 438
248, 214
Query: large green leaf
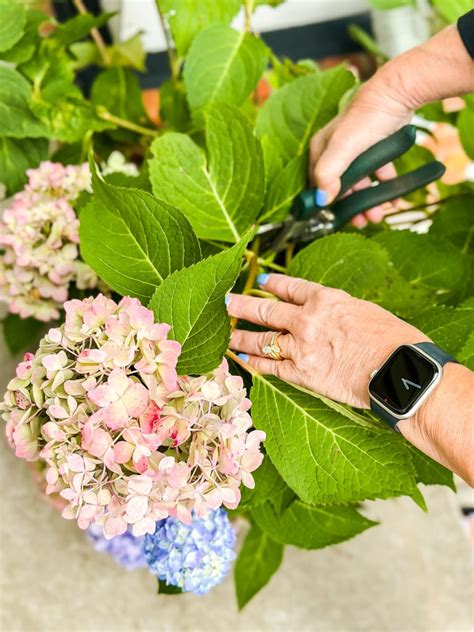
309, 527
187, 18
326, 452
134, 241
22, 334
415, 157
222, 194
295, 112
259, 558
448, 327
428, 471
192, 302
16, 156
451, 10
24, 48
283, 189
466, 353
425, 261
223, 65
465, 126
78, 27
269, 485
16, 118
12, 23
454, 220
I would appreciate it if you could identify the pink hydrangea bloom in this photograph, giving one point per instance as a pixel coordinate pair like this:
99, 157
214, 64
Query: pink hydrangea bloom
39, 234
124, 439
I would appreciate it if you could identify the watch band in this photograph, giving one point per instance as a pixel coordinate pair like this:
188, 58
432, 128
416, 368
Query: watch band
431, 350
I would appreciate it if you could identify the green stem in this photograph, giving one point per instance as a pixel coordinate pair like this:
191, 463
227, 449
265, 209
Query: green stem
105, 115
170, 48
230, 354
95, 33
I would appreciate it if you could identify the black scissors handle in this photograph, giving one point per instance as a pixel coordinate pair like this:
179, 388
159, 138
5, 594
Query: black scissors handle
364, 165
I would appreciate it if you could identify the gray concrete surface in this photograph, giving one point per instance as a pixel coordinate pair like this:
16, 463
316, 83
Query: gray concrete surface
413, 573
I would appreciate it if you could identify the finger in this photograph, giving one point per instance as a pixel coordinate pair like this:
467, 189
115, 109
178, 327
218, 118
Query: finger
289, 289
261, 311
317, 146
252, 343
377, 213
359, 221
266, 366
387, 172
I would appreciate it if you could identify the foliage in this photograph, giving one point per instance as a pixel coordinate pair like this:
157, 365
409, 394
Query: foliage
183, 233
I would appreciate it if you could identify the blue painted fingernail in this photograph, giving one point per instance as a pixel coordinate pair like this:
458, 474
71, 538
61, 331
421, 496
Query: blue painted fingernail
262, 278
243, 356
227, 299
320, 197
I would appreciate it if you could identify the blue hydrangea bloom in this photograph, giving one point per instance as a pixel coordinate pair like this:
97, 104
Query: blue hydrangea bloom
126, 549
193, 557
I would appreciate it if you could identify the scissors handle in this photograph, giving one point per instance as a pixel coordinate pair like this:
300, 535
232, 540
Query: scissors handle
378, 155
359, 201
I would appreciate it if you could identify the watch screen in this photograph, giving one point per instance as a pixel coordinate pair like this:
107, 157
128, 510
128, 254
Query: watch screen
402, 379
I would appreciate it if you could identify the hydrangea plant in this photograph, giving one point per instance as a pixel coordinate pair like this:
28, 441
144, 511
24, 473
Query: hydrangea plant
128, 405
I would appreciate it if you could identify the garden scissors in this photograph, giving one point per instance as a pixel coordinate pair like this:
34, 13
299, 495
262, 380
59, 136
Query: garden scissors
307, 220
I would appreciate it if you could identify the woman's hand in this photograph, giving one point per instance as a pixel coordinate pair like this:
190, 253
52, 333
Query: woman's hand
330, 341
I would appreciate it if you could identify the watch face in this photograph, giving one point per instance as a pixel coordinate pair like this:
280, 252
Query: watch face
402, 380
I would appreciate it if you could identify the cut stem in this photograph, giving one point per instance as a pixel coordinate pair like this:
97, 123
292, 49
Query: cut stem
120, 122
95, 33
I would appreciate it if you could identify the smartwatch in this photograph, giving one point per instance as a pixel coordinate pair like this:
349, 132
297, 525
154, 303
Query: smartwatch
405, 381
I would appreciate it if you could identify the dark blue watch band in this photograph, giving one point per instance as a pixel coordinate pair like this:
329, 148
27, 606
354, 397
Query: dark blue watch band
431, 350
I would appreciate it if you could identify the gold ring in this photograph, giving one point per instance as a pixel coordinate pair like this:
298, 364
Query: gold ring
273, 350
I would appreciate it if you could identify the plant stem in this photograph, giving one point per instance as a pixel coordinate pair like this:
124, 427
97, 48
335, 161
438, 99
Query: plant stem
272, 266
248, 9
120, 122
95, 33
230, 354
170, 48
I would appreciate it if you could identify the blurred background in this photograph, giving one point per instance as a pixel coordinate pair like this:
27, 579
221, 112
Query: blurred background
412, 573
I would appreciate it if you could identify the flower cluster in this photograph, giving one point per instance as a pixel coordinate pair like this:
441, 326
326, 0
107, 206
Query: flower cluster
126, 549
126, 441
193, 557
39, 233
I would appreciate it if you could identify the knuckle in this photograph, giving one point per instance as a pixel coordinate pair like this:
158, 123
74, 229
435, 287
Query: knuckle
265, 310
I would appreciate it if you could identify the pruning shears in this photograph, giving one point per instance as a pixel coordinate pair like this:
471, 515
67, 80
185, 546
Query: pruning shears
307, 220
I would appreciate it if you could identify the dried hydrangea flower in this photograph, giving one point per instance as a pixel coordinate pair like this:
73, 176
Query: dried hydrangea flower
193, 557
126, 441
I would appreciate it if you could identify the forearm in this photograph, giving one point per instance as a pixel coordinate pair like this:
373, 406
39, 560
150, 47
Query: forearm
443, 427
437, 69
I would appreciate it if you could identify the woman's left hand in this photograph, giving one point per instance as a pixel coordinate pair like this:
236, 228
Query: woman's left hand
330, 341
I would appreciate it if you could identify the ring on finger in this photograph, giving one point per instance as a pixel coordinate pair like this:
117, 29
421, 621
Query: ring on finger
273, 349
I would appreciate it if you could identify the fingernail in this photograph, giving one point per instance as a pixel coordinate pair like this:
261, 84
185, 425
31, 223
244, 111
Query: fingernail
243, 356
227, 299
262, 278
320, 197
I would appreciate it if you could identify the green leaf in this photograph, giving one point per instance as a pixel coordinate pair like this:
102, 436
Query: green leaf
448, 327
69, 120
466, 353
283, 189
426, 261
129, 53
192, 302
187, 18
465, 125
326, 452
16, 156
174, 109
16, 118
223, 65
386, 5
78, 27
22, 334
12, 23
415, 157
428, 471
26, 45
259, 559
435, 112
168, 589
309, 527
134, 241
295, 112
222, 194
269, 485
454, 220
451, 10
